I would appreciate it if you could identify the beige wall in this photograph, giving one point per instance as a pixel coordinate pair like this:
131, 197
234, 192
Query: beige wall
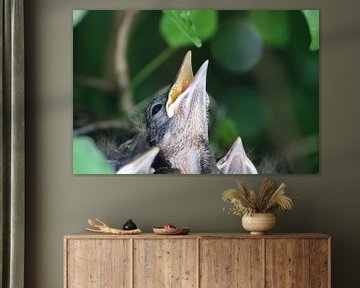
59, 203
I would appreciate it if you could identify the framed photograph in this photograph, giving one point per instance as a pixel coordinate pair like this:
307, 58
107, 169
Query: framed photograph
196, 91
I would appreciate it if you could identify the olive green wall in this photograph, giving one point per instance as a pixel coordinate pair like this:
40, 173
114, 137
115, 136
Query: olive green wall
59, 203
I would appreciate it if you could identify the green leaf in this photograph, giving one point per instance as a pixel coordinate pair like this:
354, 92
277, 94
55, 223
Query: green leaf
78, 15
87, 159
312, 18
273, 26
181, 28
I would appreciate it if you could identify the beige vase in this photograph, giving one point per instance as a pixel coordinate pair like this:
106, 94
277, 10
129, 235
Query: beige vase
259, 223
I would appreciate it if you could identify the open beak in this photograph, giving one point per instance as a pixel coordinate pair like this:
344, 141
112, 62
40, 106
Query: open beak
141, 165
186, 84
236, 161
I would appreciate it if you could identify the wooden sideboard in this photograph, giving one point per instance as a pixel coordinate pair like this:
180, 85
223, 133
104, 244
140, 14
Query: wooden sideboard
197, 260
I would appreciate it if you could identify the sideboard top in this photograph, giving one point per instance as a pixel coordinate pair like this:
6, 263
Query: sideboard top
88, 235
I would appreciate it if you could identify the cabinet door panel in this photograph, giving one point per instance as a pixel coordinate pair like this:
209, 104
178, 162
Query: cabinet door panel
231, 263
98, 263
287, 263
165, 263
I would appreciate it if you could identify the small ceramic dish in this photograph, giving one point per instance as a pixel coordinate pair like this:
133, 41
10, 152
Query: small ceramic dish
171, 231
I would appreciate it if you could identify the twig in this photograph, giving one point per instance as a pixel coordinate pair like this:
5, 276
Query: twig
97, 83
117, 124
101, 227
121, 64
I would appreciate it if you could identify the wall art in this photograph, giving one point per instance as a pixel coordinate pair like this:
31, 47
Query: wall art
196, 92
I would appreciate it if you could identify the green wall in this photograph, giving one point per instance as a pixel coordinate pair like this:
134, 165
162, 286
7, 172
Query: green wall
58, 203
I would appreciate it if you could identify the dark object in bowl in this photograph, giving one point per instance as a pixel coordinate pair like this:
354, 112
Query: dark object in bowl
129, 225
171, 231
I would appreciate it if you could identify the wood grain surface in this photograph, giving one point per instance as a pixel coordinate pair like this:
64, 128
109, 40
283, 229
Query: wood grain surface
197, 260
319, 263
89, 235
165, 263
98, 263
230, 263
287, 263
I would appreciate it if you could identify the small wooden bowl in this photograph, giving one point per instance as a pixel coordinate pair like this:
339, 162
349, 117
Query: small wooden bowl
171, 231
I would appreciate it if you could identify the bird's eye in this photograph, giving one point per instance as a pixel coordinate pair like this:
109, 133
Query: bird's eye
155, 109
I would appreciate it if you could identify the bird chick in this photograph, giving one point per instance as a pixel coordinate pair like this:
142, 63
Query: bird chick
177, 122
135, 155
142, 164
236, 161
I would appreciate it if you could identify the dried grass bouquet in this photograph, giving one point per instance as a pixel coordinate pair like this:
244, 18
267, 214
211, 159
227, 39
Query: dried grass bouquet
246, 202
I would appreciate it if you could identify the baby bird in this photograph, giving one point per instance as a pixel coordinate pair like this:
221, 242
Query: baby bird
142, 164
176, 123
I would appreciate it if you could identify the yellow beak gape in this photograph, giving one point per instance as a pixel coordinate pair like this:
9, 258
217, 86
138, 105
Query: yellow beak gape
183, 80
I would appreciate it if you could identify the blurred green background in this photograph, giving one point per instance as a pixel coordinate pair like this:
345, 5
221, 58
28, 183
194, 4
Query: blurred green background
263, 77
